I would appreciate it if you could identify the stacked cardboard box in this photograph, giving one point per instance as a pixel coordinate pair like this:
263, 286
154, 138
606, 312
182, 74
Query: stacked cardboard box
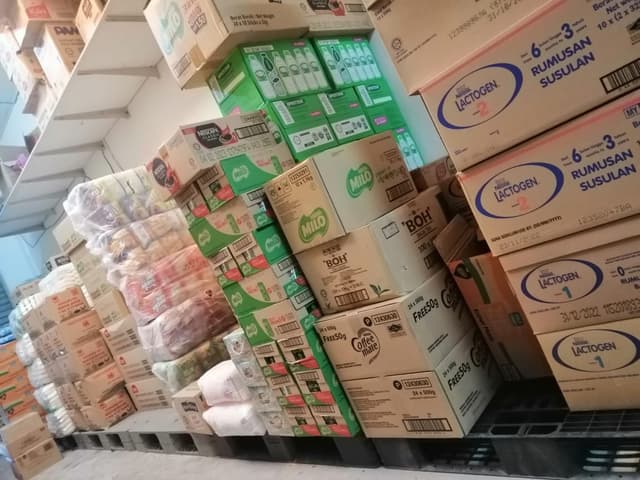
23, 291
367, 251
16, 393
29, 446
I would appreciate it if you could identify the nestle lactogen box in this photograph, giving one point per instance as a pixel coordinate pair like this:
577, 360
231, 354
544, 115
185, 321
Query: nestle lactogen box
597, 367
577, 176
584, 279
562, 60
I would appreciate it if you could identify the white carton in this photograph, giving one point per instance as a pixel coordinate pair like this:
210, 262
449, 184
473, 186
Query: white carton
334, 18
444, 403
597, 367
577, 176
340, 190
553, 65
423, 43
390, 257
408, 334
584, 279
194, 35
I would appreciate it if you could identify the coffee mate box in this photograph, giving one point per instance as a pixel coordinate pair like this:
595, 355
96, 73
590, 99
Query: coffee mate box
225, 268
334, 18
196, 35
555, 64
345, 114
578, 176
58, 51
596, 366
190, 405
263, 249
421, 47
588, 278
379, 105
389, 257
420, 328
340, 190
443, 403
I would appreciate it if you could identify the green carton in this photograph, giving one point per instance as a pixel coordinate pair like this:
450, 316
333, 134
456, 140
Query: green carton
379, 105
262, 249
349, 61
345, 114
408, 147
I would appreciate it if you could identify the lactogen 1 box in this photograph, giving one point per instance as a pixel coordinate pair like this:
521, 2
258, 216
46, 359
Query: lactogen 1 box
596, 367
559, 62
345, 114
584, 279
420, 329
577, 176
389, 257
444, 403
340, 190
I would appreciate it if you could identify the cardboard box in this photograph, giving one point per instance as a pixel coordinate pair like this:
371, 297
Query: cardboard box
264, 289
407, 145
332, 423
19, 408
71, 397
55, 309
302, 421
420, 328
149, 394
56, 261
588, 278
11, 368
225, 268
190, 405
263, 249
121, 336
79, 420
88, 16
423, 46
24, 290
340, 190
349, 60
334, 18
28, 77
111, 308
388, 258
58, 52
15, 389
286, 390
80, 361
192, 203
8, 351
71, 333
135, 365
276, 423
91, 271
265, 399
494, 307
66, 237
584, 176
28, 16
110, 411
345, 115
379, 105
37, 459
270, 359
444, 403
553, 65
23, 433
202, 33
100, 384
596, 366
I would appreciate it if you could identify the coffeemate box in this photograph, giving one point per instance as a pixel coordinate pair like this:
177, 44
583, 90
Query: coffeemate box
340, 190
390, 257
444, 403
597, 367
584, 279
420, 329
578, 176
553, 65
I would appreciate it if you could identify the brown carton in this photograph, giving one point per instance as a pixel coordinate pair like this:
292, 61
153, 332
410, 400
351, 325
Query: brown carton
69, 334
84, 359
100, 384
135, 365
71, 397
109, 411
111, 308
121, 336
38, 459
149, 394
66, 237
54, 309
23, 433
58, 51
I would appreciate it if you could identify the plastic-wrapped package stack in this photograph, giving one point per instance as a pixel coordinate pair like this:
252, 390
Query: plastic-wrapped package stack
166, 283
232, 412
264, 399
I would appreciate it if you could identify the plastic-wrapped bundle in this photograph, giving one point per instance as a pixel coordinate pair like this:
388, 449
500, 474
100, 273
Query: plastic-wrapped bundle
250, 371
182, 328
60, 424
23, 308
48, 398
179, 373
234, 420
60, 279
237, 344
265, 399
113, 201
25, 351
38, 376
223, 384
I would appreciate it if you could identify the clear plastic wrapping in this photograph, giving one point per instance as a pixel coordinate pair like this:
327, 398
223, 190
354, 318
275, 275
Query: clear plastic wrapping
180, 329
48, 398
237, 344
25, 351
265, 399
250, 371
38, 376
223, 384
234, 419
60, 423
60, 279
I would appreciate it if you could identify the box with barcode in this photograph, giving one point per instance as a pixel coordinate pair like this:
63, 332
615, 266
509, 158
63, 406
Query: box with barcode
100, 384
259, 206
349, 61
305, 127
389, 257
121, 336
340, 190
225, 267
270, 359
111, 308
288, 395
192, 203
262, 249
149, 394
135, 365
443, 403
335, 18
337, 420
379, 106
346, 115
302, 421
561, 60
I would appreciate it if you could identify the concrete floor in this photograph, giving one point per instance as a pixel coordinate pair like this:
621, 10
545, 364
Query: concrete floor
101, 465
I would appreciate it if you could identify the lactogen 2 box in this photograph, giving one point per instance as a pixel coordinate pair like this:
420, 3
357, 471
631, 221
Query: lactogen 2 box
584, 279
577, 176
560, 61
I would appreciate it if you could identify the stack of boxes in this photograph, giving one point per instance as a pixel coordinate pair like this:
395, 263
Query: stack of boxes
559, 211
16, 392
399, 330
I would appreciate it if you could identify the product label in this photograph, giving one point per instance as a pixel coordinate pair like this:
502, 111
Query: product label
359, 180
311, 138
562, 281
316, 224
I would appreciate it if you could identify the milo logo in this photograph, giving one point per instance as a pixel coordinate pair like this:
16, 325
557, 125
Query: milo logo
251, 330
367, 344
204, 237
562, 281
272, 243
236, 299
172, 27
314, 225
359, 180
240, 173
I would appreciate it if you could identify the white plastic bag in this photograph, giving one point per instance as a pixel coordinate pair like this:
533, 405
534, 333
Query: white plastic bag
234, 420
38, 376
25, 351
223, 384
60, 424
48, 398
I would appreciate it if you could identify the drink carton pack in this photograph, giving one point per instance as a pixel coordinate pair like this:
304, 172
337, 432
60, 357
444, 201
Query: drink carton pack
345, 115
379, 105
262, 249
349, 60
